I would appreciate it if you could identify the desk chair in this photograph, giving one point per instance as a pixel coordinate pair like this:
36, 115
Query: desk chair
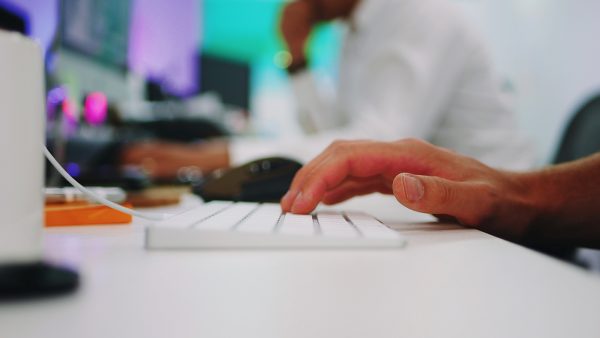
581, 138
582, 135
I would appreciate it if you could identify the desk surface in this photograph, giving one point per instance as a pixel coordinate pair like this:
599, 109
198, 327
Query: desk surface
448, 282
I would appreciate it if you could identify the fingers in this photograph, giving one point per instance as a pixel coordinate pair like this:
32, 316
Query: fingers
313, 181
357, 187
345, 161
469, 202
341, 161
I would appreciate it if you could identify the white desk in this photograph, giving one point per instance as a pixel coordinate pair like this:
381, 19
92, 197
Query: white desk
448, 282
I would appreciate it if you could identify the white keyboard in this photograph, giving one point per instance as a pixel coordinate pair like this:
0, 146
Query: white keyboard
225, 225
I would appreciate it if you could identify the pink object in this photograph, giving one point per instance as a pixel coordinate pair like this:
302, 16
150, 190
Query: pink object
70, 117
96, 108
69, 109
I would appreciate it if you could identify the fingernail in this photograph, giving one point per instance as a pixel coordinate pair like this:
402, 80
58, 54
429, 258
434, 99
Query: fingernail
287, 200
297, 201
413, 188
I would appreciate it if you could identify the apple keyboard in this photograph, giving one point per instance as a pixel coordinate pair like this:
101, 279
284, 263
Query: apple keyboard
243, 225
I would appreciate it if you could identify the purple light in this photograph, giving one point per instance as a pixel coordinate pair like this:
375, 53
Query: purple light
96, 108
163, 43
73, 169
55, 98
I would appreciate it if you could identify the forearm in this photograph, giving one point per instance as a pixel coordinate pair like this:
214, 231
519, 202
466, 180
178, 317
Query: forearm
567, 202
165, 159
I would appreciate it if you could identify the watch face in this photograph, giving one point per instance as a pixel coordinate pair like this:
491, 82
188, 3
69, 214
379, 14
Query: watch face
297, 66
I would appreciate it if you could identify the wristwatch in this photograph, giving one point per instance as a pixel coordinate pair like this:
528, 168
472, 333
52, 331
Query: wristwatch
297, 66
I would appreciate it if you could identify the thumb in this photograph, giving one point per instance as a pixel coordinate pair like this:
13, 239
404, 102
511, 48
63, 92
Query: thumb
465, 201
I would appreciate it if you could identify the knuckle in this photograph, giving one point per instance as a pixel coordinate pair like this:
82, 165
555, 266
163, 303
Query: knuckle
338, 146
414, 141
338, 143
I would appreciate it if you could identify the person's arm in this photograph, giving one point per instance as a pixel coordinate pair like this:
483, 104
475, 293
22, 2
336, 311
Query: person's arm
399, 67
570, 198
298, 18
408, 72
164, 160
558, 205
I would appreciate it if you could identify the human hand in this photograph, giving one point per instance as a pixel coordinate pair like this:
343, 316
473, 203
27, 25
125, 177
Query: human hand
422, 177
300, 16
164, 160
297, 20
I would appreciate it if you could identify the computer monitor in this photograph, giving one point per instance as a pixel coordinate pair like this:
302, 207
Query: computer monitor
97, 29
229, 79
92, 48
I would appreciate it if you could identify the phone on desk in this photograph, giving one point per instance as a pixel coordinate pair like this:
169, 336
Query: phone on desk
70, 195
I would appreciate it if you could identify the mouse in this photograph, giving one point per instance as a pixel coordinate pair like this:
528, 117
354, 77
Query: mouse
260, 180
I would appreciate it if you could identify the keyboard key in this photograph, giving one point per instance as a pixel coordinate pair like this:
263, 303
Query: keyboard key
297, 225
262, 220
370, 227
227, 218
191, 217
227, 225
336, 226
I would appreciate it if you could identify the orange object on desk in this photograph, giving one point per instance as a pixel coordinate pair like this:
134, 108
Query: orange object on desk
83, 214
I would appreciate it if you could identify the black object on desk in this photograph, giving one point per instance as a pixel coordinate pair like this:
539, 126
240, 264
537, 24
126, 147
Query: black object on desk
34, 280
181, 129
262, 180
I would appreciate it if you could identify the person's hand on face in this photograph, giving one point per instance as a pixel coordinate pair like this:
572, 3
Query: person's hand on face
422, 177
295, 25
299, 17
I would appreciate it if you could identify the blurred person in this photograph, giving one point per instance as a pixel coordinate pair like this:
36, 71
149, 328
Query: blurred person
408, 68
557, 205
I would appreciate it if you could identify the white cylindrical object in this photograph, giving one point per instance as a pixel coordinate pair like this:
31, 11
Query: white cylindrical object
22, 121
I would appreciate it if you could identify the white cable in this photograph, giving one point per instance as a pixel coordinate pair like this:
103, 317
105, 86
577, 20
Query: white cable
98, 198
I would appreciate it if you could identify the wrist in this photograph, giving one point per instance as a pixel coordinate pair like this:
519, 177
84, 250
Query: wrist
212, 155
543, 206
297, 65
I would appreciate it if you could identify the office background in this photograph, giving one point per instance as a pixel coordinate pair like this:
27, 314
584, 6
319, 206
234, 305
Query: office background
544, 49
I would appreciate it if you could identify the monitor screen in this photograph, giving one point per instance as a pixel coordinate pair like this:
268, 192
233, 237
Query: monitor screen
98, 29
228, 78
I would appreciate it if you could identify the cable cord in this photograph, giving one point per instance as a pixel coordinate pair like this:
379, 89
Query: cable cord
98, 198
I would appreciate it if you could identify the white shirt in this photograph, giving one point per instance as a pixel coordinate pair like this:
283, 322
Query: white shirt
408, 68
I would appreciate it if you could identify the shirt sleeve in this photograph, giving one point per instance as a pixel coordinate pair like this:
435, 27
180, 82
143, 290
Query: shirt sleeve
400, 77
423, 75
314, 109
